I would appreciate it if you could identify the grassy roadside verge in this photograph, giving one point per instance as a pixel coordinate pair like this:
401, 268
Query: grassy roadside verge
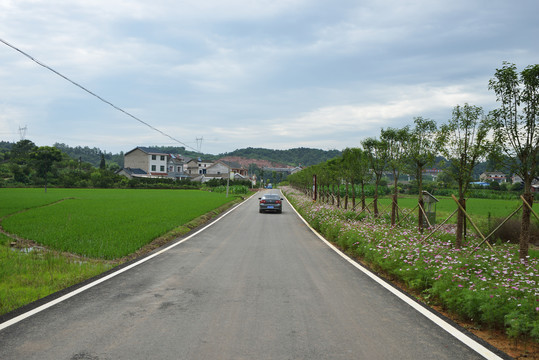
491, 291
30, 271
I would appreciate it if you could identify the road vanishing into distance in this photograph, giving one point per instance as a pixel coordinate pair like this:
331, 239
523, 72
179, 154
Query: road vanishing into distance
250, 286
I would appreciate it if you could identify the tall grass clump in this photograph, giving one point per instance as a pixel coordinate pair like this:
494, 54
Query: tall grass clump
492, 288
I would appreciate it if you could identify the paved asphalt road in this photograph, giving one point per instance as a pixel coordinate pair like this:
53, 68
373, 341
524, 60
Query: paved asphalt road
251, 286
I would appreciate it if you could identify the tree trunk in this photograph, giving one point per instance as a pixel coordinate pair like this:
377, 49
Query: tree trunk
525, 226
394, 204
420, 201
375, 202
353, 196
339, 196
346, 197
363, 205
460, 223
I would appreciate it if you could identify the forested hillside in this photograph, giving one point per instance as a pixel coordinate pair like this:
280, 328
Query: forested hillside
91, 155
292, 157
297, 156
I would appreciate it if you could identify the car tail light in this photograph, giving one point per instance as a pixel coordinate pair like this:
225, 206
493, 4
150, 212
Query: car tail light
262, 201
278, 201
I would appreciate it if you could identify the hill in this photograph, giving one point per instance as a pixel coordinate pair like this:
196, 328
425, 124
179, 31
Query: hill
292, 157
260, 163
258, 156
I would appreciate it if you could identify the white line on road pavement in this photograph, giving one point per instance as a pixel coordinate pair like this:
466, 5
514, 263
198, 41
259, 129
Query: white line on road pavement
471, 343
107, 277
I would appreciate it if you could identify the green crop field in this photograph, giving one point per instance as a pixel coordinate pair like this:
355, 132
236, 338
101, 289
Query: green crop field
103, 224
96, 224
477, 208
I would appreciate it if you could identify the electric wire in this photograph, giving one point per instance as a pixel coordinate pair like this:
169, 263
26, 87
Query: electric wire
94, 94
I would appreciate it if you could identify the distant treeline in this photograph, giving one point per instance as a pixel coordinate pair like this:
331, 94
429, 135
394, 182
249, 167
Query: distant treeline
293, 157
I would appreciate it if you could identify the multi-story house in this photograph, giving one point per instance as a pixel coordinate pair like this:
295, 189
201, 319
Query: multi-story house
491, 176
152, 162
195, 167
147, 162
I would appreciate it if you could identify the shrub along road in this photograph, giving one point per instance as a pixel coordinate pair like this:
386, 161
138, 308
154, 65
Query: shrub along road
251, 286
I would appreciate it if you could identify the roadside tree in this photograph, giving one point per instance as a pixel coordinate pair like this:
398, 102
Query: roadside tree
45, 157
397, 142
377, 154
516, 131
421, 153
357, 169
463, 142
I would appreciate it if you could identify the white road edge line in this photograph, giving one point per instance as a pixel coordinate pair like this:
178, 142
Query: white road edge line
105, 278
471, 343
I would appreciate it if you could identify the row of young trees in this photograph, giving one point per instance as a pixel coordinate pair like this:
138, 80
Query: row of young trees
508, 134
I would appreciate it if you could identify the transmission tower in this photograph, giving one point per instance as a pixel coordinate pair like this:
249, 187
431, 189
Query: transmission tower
22, 131
199, 144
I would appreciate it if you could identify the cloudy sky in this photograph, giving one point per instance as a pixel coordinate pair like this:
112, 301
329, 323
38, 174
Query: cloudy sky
247, 73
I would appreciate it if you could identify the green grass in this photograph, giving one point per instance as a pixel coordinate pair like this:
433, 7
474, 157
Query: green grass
28, 276
13, 200
105, 224
478, 209
95, 223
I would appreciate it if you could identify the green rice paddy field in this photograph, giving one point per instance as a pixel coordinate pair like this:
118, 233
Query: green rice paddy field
96, 224
478, 209
103, 224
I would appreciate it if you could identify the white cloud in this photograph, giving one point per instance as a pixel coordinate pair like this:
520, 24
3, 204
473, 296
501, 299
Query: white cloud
307, 73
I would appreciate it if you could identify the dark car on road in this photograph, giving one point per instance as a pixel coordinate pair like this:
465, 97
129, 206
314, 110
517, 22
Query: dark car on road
271, 202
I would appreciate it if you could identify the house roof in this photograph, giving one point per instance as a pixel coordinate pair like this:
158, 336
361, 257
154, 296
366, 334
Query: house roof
232, 164
135, 171
198, 160
493, 173
147, 150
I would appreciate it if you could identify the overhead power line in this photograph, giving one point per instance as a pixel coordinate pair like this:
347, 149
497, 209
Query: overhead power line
94, 94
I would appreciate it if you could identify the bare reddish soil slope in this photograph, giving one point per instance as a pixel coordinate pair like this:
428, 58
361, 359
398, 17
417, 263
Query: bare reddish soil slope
260, 163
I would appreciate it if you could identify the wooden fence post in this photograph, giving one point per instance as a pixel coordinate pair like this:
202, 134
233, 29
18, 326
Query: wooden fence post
471, 222
499, 226
439, 226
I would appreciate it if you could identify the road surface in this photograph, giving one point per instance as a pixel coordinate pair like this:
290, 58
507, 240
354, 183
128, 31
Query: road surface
250, 286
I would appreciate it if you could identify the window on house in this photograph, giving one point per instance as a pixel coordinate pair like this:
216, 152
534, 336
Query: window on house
153, 168
179, 169
153, 157
162, 157
162, 168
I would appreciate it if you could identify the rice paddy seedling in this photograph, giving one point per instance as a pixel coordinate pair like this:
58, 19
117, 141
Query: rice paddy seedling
94, 223
106, 224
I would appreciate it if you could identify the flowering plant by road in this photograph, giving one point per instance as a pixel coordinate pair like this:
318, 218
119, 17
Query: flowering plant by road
493, 288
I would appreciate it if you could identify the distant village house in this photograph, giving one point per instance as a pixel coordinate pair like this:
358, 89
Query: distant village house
491, 176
